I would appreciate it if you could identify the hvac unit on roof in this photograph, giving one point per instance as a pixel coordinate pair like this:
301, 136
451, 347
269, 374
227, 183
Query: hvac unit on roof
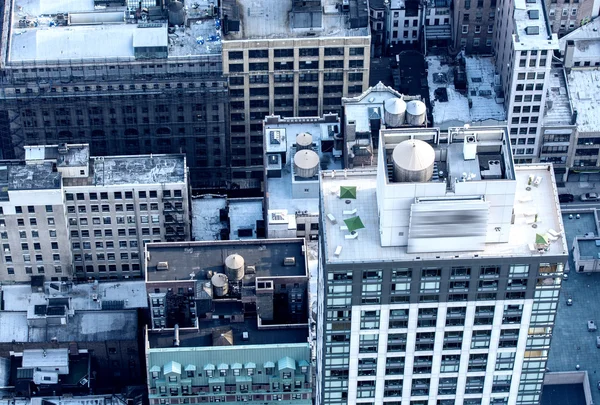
470, 147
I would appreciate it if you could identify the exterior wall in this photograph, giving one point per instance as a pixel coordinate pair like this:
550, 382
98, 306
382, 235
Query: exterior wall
565, 16
122, 108
35, 241
438, 25
473, 28
254, 382
586, 151
451, 332
378, 21
118, 228
557, 147
403, 26
291, 78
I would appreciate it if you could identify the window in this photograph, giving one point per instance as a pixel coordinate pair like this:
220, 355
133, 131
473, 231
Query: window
465, 29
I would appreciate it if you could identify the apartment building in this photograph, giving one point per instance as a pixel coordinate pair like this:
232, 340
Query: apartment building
438, 25
144, 81
566, 16
524, 45
68, 215
229, 322
297, 149
474, 26
404, 20
443, 287
378, 22
301, 63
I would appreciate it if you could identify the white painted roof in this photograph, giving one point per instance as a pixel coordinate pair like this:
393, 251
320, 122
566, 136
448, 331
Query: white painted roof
584, 86
524, 41
33, 358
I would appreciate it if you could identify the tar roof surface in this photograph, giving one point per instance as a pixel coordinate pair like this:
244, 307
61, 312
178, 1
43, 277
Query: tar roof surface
33, 177
200, 257
151, 169
367, 247
256, 336
571, 343
584, 86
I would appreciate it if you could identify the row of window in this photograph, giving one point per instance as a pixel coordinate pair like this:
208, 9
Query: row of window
289, 53
118, 195
34, 234
27, 258
111, 268
40, 269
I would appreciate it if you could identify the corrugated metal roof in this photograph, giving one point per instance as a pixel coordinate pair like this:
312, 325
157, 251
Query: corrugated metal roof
209, 367
286, 362
216, 380
243, 379
223, 366
269, 364
172, 367
190, 367
250, 365
236, 366
155, 369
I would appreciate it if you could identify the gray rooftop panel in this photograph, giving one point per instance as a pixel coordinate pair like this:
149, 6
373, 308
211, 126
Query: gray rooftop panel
153, 169
33, 177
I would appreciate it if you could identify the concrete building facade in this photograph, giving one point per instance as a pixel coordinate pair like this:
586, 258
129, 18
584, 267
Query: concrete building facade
567, 16
474, 26
404, 22
96, 216
415, 310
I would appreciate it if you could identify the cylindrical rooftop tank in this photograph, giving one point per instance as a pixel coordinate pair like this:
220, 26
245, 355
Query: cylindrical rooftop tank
415, 112
234, 267
304, 141
395, 111
220, 284
176, 13
306, 163
413, 161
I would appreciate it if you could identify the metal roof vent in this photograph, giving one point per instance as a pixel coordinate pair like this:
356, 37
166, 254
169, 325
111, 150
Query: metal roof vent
532, 30
534, 14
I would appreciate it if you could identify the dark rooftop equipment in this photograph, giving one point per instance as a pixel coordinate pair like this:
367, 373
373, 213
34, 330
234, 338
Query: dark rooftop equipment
307, 14
231, 16
534, 14
37, 283
460, 76
532, 30
441, 94
113, 305
359, 14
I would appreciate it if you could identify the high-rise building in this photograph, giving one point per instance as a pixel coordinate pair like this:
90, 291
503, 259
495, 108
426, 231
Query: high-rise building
438, 24
524, 45
116, 75
473, 25
442, 284
290, 58
64, 214
404, 21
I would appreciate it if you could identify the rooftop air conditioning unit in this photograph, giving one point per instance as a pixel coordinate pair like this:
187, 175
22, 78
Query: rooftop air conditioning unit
161, 266
289, 261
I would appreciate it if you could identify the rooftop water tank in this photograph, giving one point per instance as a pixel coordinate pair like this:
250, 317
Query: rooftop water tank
304, 140
306, 163
220, 284
415, 112
234, 267
395, 111
413, 161
176, 13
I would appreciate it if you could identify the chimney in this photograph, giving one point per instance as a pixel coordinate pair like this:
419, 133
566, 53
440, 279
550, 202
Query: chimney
569, 51
176, 336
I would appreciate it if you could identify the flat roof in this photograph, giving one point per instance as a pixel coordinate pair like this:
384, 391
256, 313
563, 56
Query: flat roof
133, 294
33, 177
560, 113
563, 394
198, 258
244, 214
584, 86
328, 21
357, 108
587, 43
38, 35
68, 156
481, 91
588, 248
367, 247
206, 222
140, 169
532, 33
203, 337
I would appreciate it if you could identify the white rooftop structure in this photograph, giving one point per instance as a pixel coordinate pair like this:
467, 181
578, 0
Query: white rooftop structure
357, 108
479, 104
584, 86
587, 41
417, 220
531, 28
46, 358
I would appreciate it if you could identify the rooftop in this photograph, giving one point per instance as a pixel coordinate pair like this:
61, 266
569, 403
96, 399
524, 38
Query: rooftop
198, 258
531, 27
83, 33
559, 111
31, 177
147, 169
587, 42
571, 343
584, 86
244, 213
309, 19
478, 101
203, 337
131, 293
64, 155
206, 221
357, 108
97, 400
375, 243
